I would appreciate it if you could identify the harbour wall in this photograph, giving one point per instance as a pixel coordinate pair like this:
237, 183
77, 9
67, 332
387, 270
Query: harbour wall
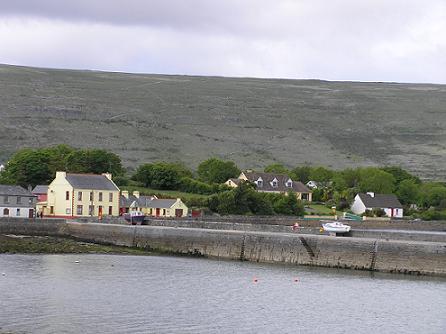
400, 256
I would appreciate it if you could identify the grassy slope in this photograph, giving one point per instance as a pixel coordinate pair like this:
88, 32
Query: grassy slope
251, 121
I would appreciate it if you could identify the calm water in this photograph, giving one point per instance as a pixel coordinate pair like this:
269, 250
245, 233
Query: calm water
154, 294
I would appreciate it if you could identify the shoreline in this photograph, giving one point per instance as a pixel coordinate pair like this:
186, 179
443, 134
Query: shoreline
27, 244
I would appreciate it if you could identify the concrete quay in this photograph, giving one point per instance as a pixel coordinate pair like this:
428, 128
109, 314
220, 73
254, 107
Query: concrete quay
372, 254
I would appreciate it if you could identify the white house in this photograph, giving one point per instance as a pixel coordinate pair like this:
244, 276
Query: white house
369, 201
2, 168
16, 201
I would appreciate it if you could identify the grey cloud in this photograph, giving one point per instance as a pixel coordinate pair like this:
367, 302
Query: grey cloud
380, 40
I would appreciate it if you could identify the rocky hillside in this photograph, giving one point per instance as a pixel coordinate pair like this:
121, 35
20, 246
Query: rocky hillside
252, 121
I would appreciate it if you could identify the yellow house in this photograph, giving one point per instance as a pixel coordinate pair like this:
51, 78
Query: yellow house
82, 195
273, 183
166, 208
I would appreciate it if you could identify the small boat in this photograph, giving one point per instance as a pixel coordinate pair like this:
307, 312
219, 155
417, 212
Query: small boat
336, 227
135, 217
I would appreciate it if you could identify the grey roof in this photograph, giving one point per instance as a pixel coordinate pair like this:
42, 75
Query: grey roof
90, 181
281, 186
40, 189
380, 201
162, 203
10, 190
142, 201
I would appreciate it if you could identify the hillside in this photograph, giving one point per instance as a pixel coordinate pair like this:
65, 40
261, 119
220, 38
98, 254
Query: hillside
252, 121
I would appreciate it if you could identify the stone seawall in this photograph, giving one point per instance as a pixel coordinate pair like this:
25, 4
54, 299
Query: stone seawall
427, 258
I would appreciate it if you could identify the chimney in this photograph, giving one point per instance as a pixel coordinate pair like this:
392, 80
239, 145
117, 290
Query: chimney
372, 194
136, 194
107, 175
62, 175
125, 193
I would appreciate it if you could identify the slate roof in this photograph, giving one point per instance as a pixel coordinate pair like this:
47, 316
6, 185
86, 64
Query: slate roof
162, 203
236, 181
281, 186
380, 201
40, 189
142, 201
90, 181
10, 190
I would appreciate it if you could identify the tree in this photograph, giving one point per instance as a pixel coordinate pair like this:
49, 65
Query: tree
276, 168
215, 170
143, 175
240, 201
301, 174
94, 161
432, 194
376, 180
400, 174
161, 175
289, 205
165, 176
408, 191
321, 174
28, 167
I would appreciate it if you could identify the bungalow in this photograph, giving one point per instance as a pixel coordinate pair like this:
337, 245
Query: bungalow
167, 208
369, 201
16, 201
82, 195
273, 183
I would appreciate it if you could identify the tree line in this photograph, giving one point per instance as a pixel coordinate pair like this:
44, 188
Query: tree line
335, 187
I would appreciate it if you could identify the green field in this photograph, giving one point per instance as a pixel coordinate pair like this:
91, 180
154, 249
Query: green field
254, 122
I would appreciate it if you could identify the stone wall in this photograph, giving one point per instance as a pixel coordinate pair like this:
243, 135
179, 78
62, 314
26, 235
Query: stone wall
317, 250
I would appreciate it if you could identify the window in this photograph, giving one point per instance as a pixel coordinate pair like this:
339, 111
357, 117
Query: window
17, 213
6, 212
91, 196
79, 196
304, 196
67, 195
110, 210
79, 210
19, 200
274, 184
110, 197
100, 197
52, 210
164, 212
91, 210
68, 211
289, 184
30, 200
260, 183
5, 199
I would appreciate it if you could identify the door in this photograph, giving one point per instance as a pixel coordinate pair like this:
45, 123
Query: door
157, 212
31, 213
178, 212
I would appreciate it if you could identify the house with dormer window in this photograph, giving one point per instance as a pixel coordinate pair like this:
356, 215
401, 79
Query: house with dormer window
273, 183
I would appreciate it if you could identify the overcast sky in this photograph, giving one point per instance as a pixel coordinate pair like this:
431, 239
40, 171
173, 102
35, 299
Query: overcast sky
361, 40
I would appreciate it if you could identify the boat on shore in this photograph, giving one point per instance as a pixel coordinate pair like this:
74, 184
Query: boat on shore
336, 227
135, 217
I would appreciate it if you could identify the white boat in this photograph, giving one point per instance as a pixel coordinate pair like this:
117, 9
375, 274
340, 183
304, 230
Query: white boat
336, 227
